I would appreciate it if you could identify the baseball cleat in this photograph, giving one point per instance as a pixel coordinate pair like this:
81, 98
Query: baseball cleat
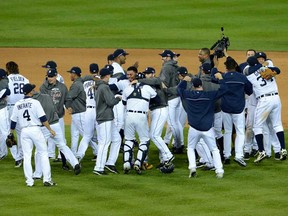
77, 169
126, 171
112, 169
137, 169
200, 164
100, 173
262, 155
246, 156
283, 154
219, 175
192, 173
18, 163
227, 161
254, 153
66, 167
240, 161
277, 156
49, 183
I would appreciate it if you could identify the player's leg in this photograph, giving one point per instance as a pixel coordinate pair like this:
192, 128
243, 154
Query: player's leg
193, 138
74, 132
4, 131
204, 153
114, 147
239, 123
228, 126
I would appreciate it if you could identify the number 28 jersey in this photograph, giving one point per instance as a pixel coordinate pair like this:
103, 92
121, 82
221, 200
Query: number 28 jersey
27, 113
16, 83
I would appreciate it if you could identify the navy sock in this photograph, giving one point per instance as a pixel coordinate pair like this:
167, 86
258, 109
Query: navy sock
281, 139
259, 139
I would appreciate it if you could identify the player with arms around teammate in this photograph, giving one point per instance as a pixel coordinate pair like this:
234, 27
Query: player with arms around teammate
29, 115
268, 106
16, 83
200, 106
107, 130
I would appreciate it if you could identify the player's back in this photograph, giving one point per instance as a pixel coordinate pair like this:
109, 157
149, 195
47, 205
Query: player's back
16, 83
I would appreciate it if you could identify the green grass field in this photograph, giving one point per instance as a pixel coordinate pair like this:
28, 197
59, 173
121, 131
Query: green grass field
254, 190
182, 24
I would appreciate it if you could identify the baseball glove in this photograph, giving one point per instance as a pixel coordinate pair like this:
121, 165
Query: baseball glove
10, 140
167, 168
268, 74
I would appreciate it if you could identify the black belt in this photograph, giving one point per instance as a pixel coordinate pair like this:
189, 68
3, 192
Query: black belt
134, 111
267, 95
90, 106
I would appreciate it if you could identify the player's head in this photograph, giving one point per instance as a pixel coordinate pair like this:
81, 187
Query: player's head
167, 55
12, 67
182, 72
4, 93
93, 68
120, 56
28, 89
261, 57
176, 56
75, 72
203, 54
3, 74
131, 73
50, 64
149, 72
105, 74
51, 76
206, 68
197, 83
110, 58
250, 52
230, 64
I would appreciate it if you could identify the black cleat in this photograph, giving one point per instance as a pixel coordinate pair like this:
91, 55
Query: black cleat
112, 169
77, 169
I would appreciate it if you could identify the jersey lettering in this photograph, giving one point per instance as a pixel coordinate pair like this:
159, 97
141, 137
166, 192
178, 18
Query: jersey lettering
90, 93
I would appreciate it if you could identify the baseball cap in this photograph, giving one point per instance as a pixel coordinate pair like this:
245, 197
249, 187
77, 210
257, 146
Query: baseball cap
196, 82
149, 70
252, 60
119, 52
206, 67
105, 71
167, 53
27, 88
52, 72
3, 73
110, 68
261, 54
50, 64
110, 57
140, 76
75, 70
4, 92
182, 71
94, 68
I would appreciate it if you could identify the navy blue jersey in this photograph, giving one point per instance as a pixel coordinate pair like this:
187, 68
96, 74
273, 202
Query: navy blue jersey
200, 105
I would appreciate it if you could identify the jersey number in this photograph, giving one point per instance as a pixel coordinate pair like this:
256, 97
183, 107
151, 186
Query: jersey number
264, 82
18, 88
90, 93
26, 115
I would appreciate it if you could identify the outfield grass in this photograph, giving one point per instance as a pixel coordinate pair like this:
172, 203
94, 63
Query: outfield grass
254, 190
182, 24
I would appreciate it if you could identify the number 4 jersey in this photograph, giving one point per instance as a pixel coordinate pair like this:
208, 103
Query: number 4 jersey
16, 83
27, 113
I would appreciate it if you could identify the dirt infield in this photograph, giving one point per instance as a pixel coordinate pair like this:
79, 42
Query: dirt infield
30, 61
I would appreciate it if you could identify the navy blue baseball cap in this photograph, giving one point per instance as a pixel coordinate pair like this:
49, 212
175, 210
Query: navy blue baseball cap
167, 53
252, 60
4, 92
105, 72
94, 68
149, 70
196, 82
110, 57
27, 88
182, 71
52, 72
75, 70
261, 54
3, 73
109, 67
206, 67
50, 64
119, 52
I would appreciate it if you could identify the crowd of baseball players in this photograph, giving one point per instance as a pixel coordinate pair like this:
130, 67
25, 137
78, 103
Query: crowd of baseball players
117, 110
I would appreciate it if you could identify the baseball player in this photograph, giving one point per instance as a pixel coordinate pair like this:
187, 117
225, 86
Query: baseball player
204, 57
4, 115
107, 130
268, 106
169, 77
16, 83
232, 106
200, 107
159, 115
53, 119
249, 52
90, 124
136, 98
29, 115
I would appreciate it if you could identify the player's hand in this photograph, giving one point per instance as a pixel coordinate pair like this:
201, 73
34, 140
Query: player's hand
187, 78
52, 132
265, 64
134, 82
69, 110
118, 96
136, 64
218, 76
215, 61
163, 85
